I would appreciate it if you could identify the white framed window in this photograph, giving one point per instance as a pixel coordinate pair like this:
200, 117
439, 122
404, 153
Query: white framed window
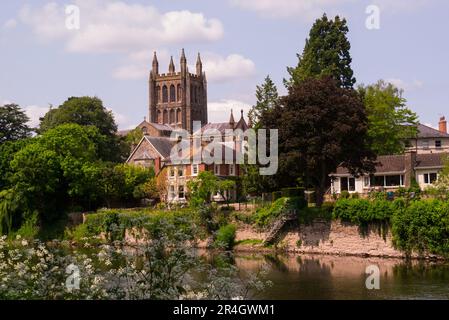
181, 192
232, 169
217, 169
180, 172
195, 169
172, 172
366, 181
425, 144
171, 194
430, 178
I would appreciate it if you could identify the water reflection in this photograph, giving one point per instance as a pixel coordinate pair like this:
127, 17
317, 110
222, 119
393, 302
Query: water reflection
333, 277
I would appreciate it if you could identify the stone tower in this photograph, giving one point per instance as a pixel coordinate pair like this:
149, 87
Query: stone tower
178, 98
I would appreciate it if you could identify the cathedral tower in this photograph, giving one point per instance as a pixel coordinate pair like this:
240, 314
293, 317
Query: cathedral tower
178, 98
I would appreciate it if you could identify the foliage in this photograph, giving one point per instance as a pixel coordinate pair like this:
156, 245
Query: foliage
88, 111
205, 185
225, 237
423, 227
326, 53
440, 188
264, 216
13, 123
363, 211
321, 126
7, 152
390, 121
267, 97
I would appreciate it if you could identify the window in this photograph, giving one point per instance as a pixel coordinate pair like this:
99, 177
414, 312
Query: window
179, 92
172, 192
366, 181
425, 144
172, 93
430, 178
164, 94
438, 144
172, 173
351, 184
392, 181
195, 169
232, 170
347, 184
181, 193
144, 130
217, 169
180, 172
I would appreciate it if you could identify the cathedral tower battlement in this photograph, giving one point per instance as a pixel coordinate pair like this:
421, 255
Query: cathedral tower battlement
178, 98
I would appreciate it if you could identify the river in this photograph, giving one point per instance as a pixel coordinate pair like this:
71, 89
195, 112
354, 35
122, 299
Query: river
336, 277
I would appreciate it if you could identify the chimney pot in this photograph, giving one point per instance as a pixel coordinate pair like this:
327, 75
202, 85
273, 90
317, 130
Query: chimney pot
442, 125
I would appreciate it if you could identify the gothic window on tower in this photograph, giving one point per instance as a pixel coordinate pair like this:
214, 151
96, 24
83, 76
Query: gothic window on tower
159, 116
164, 94
158, 94
179, 92
178, 116
165, 117
172, 93
172, 116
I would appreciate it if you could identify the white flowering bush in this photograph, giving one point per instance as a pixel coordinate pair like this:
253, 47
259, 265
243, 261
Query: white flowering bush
165, 266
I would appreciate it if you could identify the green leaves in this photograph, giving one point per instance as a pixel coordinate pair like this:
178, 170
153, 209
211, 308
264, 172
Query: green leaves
390, 121
13, 123
326, 53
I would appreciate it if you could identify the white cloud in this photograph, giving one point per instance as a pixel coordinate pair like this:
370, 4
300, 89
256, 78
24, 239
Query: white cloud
220, 111
115, 26
217, 68
222, 69
34, 113
10, 24
405, 85
123, 122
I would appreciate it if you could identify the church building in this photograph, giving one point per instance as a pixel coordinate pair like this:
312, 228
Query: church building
176, 100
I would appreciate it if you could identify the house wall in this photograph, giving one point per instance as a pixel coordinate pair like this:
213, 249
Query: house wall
420, 177
418, 145
144, 154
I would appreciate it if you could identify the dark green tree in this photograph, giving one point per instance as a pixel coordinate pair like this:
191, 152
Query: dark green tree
321, 126
391, 123
326, 53
13, 123
267, 97
89, 111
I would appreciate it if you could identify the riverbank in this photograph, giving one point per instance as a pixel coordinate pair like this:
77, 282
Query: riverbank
325, 238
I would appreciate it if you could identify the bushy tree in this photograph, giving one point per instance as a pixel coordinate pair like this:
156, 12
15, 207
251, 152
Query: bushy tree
391, 123
321, 126
207, 184
88, 111
326, 53
13, 123
267, 97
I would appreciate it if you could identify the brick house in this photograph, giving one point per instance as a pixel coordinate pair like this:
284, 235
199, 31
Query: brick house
423, 160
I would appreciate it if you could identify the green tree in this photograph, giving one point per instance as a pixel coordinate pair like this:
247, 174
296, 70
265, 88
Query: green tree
390, 121
48, 172
88, 111
326, 53
7, 152
321, 126
267, 97
13, 123
205, 185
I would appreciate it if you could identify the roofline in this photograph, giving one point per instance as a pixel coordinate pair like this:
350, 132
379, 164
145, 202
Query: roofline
431, 167
135, 149
364, 175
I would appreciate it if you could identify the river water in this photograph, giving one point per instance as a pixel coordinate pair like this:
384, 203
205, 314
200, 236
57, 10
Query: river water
334, 277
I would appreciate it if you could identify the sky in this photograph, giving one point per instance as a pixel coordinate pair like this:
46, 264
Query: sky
45, 58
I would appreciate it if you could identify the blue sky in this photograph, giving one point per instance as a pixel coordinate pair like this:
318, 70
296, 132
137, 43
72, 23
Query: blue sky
241, 41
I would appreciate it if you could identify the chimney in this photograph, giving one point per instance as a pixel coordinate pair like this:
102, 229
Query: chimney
443, 125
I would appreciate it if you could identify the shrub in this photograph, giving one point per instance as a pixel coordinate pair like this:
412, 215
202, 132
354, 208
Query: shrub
422, 226
345, 194
363, 211
265, 215
276, 195
293, 192
225, 237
